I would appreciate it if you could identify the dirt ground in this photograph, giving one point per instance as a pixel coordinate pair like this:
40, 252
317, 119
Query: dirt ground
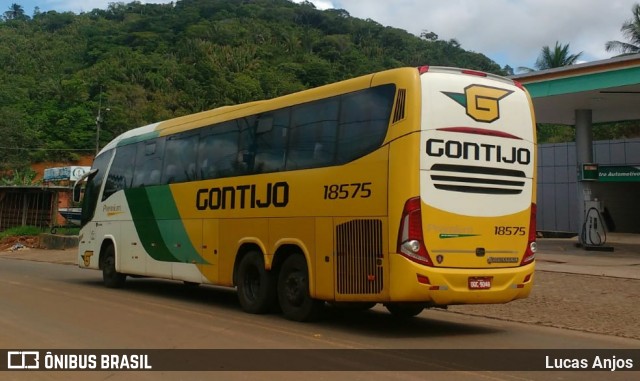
17, 243
589, 303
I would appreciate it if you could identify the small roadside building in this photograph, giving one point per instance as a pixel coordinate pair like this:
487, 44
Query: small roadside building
39, 205
31, 205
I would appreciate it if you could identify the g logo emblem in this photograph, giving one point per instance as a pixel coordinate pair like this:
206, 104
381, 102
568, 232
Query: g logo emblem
86, 258
481, 102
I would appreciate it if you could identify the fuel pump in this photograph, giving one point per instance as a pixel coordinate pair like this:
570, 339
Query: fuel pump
593, 230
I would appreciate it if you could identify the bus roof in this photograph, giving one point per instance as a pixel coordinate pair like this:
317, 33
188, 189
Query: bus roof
224, 113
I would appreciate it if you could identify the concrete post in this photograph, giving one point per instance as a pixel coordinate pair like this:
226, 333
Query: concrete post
584, 154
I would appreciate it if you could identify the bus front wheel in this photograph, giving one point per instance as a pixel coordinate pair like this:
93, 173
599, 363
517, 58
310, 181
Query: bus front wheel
110, 277
293, 291
256, 285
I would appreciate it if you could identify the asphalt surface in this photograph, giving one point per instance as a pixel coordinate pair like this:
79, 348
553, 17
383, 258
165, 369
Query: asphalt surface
563, 255
153, 306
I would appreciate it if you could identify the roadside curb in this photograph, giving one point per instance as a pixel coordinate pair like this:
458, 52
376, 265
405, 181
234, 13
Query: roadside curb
58, 242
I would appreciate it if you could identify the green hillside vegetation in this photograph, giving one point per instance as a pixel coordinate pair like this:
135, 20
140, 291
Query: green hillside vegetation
553, 133
149, 62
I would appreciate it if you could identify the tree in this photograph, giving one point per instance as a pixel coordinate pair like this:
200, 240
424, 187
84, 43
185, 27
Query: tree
631, 30
429, 36
15, 12
157, 62
508, 70
549, 59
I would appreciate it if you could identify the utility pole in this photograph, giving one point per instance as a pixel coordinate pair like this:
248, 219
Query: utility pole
98, 121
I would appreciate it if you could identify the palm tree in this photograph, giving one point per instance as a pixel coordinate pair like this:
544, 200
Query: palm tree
631, 30
549, 59
15, 12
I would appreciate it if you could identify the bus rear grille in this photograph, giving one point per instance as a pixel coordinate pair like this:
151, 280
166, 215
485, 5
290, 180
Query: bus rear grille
359, 257
398, 113
470, 179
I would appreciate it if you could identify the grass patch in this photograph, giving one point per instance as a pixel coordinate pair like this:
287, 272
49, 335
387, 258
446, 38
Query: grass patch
32, 231
67, 231
21, 231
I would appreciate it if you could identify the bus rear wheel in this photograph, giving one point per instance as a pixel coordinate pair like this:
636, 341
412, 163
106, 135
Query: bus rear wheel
404, 310
256, 285
110, 277
293, 291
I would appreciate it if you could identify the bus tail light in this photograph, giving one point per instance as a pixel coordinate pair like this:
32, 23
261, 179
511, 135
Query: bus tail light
410, 239
530, 252
519, 85
474, 72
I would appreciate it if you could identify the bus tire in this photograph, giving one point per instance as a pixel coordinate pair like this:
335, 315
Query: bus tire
293, 291
256, 285
110, 277
404, 310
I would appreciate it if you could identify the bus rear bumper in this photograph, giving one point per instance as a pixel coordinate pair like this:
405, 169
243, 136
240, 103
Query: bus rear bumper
412, 282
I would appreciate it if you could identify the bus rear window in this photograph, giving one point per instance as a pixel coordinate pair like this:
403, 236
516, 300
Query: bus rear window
364, 118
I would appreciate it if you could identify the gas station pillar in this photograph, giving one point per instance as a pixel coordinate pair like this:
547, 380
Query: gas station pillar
584, 154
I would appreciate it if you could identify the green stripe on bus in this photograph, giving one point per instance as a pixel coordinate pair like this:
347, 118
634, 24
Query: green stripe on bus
146, 225
171, 227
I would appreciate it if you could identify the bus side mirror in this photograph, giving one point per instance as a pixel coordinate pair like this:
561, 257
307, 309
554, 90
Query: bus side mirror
77, 189
77, 186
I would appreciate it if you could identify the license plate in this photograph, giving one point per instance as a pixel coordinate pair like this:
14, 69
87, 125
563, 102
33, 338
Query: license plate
480, 283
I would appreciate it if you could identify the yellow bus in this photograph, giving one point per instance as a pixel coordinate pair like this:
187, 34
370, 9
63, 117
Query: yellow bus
412, 187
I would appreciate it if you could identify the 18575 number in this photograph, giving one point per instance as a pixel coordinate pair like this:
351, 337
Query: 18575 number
509, 230
344, 191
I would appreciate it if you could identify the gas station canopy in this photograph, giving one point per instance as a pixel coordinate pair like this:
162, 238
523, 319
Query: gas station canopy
610, 88
581, 95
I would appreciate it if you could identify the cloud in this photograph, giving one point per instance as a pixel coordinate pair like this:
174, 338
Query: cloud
511, 31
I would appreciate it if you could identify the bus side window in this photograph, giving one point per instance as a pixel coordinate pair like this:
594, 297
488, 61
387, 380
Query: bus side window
312, 137
218, 151
271, 141
364, 119
246, 158
180, 153
148, 163
120, 175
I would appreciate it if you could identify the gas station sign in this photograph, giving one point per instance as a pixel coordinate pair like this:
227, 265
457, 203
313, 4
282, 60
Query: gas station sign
618, 173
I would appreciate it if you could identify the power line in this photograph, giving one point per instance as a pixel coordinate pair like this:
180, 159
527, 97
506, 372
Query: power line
46, 149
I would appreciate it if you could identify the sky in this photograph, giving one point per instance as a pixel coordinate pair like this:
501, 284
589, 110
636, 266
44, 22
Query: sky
510, 32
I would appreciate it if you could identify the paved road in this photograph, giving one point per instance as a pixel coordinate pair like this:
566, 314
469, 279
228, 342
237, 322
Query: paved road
45, 305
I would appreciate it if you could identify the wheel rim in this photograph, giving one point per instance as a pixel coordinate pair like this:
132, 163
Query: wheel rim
294, 289
109, 265
251, 284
